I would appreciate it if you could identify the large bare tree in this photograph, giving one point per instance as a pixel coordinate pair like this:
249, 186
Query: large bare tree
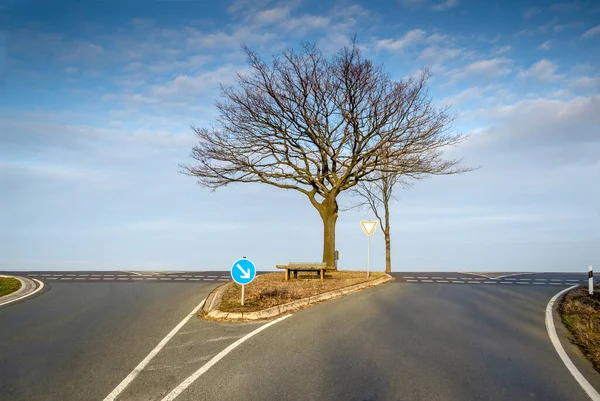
320, 125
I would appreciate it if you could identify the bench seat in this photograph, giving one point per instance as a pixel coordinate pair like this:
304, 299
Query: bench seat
296, 267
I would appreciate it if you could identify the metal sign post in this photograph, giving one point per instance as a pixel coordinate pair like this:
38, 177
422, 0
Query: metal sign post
243, 272
591, 281
368, 227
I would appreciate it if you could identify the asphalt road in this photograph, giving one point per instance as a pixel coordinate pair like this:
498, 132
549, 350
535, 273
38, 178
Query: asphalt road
425, 336
402, 342
77, 341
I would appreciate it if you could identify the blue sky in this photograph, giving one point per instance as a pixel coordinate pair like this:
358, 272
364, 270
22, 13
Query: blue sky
98, 98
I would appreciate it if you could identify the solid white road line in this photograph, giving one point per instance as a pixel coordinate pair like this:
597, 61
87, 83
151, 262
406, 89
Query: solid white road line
587, 387
41, 285
136, 371
125, 271
187, 382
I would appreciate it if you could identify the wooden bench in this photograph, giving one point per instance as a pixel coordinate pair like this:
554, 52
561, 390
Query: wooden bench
296, 267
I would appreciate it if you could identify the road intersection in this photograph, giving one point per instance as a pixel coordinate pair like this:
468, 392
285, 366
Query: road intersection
425, 339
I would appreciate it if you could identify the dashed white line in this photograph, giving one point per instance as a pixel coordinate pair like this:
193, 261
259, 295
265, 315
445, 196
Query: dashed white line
474, 282
520, 282
460, 282
413, 281
507, 282
539, 283
408, 277
427, 281
80, 278
213, 276
209, 279
442, 281
490, 282
437, 278
422, 277
179, 279
451, 278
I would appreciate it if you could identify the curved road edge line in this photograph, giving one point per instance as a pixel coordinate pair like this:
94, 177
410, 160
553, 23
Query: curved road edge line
136, 371
587, 387
39, 288
192, 378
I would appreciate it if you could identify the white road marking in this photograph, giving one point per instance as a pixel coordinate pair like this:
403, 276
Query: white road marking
520, 282
125, 271
413, 281
96, 275
442, 281
525, 279
45, 275
213, 276
122, 279
539, 283
478, 274
461, 282
136, 371
408, 277
540, 279
490, 282
427, 281
179, 279
506, 282
80, 278
479, 279
574, 280
151, 278
187, 382
515, 274
138, 278
474, 282
209, 279
422, 277
555, 279
587, 387
437, 278
65, 278
41, 285
223, 279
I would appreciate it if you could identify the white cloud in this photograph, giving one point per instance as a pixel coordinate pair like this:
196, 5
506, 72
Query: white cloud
530, 12
410, 38
462, 97
491, 68
546, 45
272, 15
591, 32
543, 70
586, 83
439, 54
501, 50
445, 5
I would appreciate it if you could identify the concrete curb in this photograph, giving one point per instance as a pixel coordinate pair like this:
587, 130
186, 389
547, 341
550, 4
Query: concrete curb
28, 288
211, 307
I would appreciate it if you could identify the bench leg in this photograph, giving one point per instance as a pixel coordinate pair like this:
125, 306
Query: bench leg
322, 274
295, 273
287, 274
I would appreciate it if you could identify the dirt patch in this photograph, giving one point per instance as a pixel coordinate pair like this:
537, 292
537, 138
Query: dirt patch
580, 313
8, 285
271, 289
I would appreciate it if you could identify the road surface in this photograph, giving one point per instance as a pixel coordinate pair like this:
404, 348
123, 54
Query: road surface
441, 336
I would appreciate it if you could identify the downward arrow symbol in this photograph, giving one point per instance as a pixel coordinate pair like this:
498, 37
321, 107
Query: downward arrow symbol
245, 273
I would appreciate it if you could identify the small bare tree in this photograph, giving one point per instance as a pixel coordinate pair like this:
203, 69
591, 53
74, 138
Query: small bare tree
320, 126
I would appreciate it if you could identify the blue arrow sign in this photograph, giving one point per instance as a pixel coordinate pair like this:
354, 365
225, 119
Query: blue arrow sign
243, 271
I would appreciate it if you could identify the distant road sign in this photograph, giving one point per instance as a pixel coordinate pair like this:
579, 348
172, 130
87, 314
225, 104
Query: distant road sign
368, 226
243, 271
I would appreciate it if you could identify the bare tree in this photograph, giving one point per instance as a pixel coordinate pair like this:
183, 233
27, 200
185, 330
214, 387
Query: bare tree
320, 126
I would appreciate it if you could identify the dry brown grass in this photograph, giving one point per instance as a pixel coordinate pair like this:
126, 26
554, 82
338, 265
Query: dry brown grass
8, 285
271, 289
580, 312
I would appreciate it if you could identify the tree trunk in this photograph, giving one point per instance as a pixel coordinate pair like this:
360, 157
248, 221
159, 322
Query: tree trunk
386, 233
388, 252
329, 215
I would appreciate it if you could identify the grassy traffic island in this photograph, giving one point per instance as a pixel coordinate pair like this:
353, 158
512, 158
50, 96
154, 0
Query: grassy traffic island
8, 285
269, 291
580, 313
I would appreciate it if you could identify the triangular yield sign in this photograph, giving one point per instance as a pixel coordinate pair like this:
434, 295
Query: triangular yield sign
368, 226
